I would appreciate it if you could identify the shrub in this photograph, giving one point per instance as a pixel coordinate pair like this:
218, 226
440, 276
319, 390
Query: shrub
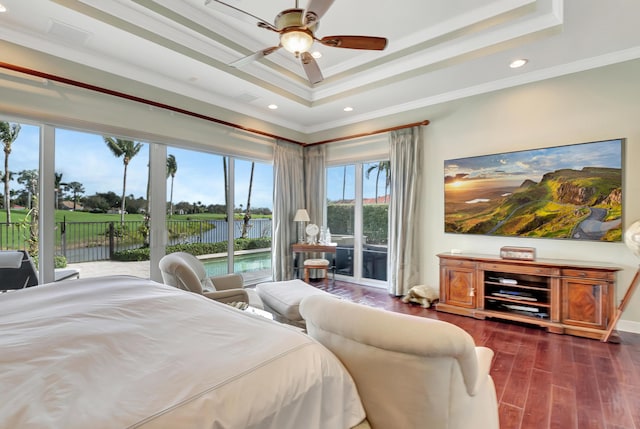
142, 253
59, 261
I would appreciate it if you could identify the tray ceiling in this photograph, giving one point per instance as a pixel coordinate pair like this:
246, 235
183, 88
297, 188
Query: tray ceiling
437, 51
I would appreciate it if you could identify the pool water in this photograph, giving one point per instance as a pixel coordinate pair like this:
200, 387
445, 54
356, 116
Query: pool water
241, 264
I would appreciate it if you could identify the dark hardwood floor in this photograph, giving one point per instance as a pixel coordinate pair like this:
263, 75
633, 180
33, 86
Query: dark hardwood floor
542, 380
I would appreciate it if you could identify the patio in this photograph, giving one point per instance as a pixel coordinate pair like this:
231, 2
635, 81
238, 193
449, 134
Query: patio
141, 269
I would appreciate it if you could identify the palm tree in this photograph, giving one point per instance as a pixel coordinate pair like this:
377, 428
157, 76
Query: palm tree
76, 189
226, 189
126, 149
172, 169
29, 178
386, 167
247, 214
8, 134
381, 167
344, 181
57, 185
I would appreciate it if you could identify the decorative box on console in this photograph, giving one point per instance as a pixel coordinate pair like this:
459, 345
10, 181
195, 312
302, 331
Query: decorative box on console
524, 253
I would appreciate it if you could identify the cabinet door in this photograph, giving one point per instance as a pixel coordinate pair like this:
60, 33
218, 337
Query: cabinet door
584, 303
460, 287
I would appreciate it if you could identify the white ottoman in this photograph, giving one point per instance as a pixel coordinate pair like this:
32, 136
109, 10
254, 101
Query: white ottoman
283, 298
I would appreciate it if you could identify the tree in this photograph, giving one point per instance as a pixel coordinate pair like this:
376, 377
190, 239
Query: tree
172, 169
126, 149
381, 167
29, 178
76, 189
247, 212
57, 189
226, 189
8, 134
344, 181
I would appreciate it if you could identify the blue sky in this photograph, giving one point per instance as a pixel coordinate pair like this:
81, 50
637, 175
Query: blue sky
85, 158
336, 176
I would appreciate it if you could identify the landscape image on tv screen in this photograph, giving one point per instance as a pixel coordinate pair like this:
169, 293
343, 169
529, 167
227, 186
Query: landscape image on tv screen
570, 192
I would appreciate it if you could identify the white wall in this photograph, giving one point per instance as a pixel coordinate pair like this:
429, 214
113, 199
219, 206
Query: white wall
590, 106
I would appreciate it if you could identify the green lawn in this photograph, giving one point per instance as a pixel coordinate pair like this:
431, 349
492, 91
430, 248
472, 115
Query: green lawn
95, 228
71, 216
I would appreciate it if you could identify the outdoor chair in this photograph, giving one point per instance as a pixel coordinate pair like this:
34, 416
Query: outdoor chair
17, 270
185, 271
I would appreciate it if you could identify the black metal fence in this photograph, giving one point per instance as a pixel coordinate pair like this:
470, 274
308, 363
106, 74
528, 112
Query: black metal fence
96, 241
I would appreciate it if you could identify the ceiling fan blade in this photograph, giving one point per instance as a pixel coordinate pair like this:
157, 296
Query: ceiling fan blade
355, 42
243, 15
254, 57
315, 10
311, 68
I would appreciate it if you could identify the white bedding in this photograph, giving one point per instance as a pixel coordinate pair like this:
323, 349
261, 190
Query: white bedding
122, 352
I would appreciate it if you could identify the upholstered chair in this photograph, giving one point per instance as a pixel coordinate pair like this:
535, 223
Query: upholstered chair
411, 372
185, 271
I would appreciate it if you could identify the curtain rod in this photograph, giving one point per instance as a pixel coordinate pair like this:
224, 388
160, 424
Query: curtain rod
370, 133
148, 102
130, 97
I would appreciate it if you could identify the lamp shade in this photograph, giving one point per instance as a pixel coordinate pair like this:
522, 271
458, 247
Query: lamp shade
301, 216
296, 41
632, 238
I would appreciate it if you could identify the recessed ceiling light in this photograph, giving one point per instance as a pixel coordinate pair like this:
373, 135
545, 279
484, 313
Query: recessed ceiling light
348, 109
518, 63
316, 54
272, 106
2, 8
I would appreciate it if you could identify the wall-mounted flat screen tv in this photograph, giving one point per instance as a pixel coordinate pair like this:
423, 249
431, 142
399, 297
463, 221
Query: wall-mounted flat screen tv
565, 192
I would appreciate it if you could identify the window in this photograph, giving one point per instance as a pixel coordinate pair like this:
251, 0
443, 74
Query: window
102, 203
102, 196
200, 202
19, 196
357, 215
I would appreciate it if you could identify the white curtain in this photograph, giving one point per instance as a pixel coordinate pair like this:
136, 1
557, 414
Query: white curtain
314, 187
288, 196
314, 177
403, 264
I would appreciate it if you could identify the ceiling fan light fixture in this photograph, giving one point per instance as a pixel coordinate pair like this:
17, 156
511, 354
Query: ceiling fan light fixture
296, 41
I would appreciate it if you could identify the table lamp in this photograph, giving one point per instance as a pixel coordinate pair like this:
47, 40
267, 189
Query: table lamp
632, 240
301, 217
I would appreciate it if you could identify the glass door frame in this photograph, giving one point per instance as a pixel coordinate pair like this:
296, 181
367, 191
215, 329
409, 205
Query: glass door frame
358, 245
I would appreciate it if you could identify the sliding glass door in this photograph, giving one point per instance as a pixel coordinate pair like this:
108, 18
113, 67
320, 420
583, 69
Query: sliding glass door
102, 203
375, 225
357, 215
106, 214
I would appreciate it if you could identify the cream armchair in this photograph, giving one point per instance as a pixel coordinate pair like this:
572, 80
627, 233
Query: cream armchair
185, 271
411, 372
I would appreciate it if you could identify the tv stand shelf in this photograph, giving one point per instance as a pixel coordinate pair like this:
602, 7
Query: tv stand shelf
569, 297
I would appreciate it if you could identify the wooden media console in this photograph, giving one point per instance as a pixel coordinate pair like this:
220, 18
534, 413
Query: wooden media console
570, 297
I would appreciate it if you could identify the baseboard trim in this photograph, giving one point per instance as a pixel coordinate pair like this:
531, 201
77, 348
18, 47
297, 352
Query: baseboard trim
628, 326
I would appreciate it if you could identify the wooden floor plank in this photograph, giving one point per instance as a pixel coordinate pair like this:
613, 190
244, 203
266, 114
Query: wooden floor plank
542, 380
537, 411
563, 408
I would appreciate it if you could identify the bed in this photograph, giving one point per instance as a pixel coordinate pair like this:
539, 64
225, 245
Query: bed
124, 352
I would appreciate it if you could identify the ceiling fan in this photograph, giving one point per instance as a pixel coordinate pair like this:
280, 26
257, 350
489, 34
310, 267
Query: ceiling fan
296, 28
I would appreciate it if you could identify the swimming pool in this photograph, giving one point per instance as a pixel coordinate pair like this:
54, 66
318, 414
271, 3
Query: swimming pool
245, 263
